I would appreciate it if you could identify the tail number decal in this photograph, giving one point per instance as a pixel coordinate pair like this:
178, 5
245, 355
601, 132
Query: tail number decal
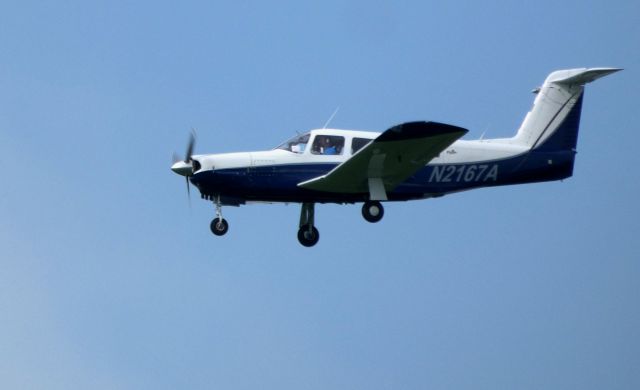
463, 173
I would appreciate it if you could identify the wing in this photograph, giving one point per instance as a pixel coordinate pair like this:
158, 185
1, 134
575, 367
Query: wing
389, 160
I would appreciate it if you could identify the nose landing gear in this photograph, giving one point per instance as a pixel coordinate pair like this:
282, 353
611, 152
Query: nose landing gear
219, 226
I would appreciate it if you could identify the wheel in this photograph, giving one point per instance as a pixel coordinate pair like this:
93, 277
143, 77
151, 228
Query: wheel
219, 226
372, 211
308, 237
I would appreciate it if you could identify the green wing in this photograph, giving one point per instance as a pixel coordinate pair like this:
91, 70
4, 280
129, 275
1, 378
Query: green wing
389, 160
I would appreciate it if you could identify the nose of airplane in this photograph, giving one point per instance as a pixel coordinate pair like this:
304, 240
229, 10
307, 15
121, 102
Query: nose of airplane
182, 168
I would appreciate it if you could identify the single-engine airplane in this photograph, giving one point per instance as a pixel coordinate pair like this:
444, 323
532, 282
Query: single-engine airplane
413, 160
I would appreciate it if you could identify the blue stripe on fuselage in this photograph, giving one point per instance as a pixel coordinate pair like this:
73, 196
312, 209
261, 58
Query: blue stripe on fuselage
279, 183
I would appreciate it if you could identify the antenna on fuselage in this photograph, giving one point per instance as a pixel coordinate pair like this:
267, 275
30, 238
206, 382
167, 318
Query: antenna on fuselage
483, 133
331, 117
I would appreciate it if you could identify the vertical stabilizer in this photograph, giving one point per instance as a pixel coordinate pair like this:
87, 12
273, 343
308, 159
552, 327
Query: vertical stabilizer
553, 122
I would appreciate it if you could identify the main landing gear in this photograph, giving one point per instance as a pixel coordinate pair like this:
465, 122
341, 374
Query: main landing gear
372, 211
219, 225
308, 235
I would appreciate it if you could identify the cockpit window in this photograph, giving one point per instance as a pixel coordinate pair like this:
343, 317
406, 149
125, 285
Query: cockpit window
358, 143
296, 144
328, 144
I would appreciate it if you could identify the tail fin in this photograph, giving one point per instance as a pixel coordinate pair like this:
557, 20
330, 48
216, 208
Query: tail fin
553, 122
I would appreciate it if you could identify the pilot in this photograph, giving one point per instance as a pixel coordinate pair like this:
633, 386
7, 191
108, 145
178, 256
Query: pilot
316, 148
328, 147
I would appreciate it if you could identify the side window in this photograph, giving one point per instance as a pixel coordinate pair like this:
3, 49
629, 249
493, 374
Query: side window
328, 145
358, 143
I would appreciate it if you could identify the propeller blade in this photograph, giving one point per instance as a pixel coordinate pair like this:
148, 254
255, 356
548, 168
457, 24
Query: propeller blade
188, 190
192, 141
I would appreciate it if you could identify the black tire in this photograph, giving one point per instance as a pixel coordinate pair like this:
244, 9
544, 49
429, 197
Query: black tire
308, 238
372, 211
219, 226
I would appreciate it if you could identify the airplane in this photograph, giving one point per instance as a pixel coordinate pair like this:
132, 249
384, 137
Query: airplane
409, 161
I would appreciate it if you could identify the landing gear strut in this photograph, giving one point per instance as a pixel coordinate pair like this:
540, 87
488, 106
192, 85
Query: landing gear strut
219, 225
308, 235
372, 211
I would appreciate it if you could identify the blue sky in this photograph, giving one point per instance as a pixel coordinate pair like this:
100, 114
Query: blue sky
109, 280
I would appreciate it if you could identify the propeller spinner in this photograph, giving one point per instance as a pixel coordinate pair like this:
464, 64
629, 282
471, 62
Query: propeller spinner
185, 167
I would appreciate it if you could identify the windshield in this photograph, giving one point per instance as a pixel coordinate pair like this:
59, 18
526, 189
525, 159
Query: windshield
296, 144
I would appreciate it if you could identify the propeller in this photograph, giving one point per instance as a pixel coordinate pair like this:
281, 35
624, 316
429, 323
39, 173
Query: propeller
185, 167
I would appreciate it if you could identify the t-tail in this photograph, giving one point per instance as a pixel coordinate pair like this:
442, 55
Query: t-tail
553, 122
550, 129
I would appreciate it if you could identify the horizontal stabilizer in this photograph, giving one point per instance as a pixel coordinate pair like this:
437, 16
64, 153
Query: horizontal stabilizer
580, 76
